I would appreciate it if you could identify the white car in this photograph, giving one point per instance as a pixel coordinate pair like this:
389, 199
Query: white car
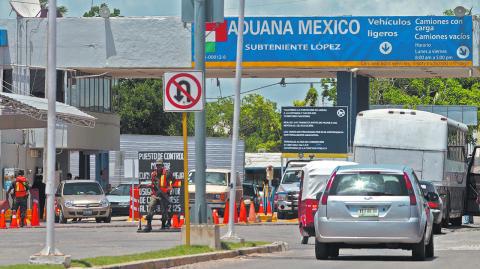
373, 206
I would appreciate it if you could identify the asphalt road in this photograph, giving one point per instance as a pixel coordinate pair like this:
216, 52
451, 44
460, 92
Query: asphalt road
453, 248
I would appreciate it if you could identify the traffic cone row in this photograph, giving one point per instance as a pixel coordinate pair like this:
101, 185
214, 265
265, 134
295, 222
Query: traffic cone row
241, 217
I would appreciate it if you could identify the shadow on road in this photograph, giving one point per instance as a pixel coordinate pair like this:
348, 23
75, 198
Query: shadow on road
378, 258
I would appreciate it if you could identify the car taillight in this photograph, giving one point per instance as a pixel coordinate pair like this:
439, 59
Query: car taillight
411, 193
327, 189
222, 196
433, 205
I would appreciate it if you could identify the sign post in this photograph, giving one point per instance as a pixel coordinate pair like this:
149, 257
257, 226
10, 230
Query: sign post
183, 92
185, 179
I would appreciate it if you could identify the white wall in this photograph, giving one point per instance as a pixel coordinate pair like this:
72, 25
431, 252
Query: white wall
147, 42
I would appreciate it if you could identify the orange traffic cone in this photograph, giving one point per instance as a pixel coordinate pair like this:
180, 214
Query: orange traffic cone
252, 216
13, 222
3, 225
261, 210
35, 220
19, 218
182, 220
175, 223
225, 212
269, 208
215, 217
235, 213
243, 213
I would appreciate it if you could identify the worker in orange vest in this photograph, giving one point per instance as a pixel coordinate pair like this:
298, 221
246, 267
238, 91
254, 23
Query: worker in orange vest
161, 185
20, 190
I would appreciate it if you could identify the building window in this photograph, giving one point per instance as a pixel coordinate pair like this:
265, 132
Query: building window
89, 92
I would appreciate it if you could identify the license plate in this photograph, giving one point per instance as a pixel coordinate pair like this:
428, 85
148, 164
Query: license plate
368, 212
87, 212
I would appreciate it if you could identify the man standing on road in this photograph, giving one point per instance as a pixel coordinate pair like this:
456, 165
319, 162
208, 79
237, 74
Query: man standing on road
162, 180
20, 190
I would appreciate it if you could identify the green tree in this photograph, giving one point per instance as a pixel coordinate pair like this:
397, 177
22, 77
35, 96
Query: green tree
139, 103
260, 122
60, 9
95, 11
311, 98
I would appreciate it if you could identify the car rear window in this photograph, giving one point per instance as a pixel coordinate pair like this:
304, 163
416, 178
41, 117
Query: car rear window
82, 189
369, 184
428, 186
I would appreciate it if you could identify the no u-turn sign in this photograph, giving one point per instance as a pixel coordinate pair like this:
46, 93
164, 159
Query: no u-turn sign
182, 91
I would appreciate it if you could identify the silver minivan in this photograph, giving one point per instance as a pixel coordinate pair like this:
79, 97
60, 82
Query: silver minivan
373, 206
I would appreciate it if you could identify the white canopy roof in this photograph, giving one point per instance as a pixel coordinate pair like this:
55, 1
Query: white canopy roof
22, 112
316, 174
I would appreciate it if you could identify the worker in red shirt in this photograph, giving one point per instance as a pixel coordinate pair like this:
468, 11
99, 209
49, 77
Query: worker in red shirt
20, 190
161, 185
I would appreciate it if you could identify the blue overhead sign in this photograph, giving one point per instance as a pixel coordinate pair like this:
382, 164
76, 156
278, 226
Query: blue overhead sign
3, 38
343, 41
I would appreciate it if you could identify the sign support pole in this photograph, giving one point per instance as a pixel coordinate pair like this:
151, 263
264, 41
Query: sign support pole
200, 213
230, 235
185, 179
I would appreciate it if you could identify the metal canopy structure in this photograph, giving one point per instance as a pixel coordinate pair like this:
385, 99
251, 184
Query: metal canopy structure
299, 72
22, 112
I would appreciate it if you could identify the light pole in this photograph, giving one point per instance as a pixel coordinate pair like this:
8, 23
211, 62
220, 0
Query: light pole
236, 125
49, 254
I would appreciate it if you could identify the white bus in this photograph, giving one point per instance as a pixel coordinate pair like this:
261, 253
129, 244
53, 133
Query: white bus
433, 145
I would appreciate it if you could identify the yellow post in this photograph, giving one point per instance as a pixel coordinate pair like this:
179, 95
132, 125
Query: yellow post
185, 176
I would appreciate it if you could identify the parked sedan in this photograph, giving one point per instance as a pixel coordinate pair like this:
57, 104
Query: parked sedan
372, 206
81, 199
119, 199
435, 203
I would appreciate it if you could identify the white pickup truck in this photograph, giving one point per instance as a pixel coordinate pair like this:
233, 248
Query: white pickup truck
288, 190
217, 189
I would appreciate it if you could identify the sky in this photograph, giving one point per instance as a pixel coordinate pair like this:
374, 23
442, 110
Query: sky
282, 95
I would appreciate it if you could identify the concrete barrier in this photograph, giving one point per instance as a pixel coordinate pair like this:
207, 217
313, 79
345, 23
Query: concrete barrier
190, 259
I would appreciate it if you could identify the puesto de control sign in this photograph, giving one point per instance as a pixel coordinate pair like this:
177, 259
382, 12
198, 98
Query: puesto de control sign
343, 41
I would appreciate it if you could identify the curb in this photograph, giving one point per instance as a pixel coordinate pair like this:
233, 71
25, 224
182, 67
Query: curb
88, 225
185, 260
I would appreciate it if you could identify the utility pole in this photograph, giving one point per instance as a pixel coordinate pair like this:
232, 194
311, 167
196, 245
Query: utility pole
50, 255
236, 125
200, 213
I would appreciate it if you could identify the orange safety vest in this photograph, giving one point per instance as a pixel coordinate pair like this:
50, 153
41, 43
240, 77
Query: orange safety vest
20, 189
163, 181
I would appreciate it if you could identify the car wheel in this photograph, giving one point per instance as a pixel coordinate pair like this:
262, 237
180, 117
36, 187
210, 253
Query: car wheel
61, 218
430, 248
98, 220
304, 240
281, 215
108, 219
418, 250
321, 251
333, 251
437, 228
456, 221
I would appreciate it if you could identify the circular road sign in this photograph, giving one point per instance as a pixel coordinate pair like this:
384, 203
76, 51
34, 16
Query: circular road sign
183, 91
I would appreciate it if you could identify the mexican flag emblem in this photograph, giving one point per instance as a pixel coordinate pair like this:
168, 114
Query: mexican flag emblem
215, 32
